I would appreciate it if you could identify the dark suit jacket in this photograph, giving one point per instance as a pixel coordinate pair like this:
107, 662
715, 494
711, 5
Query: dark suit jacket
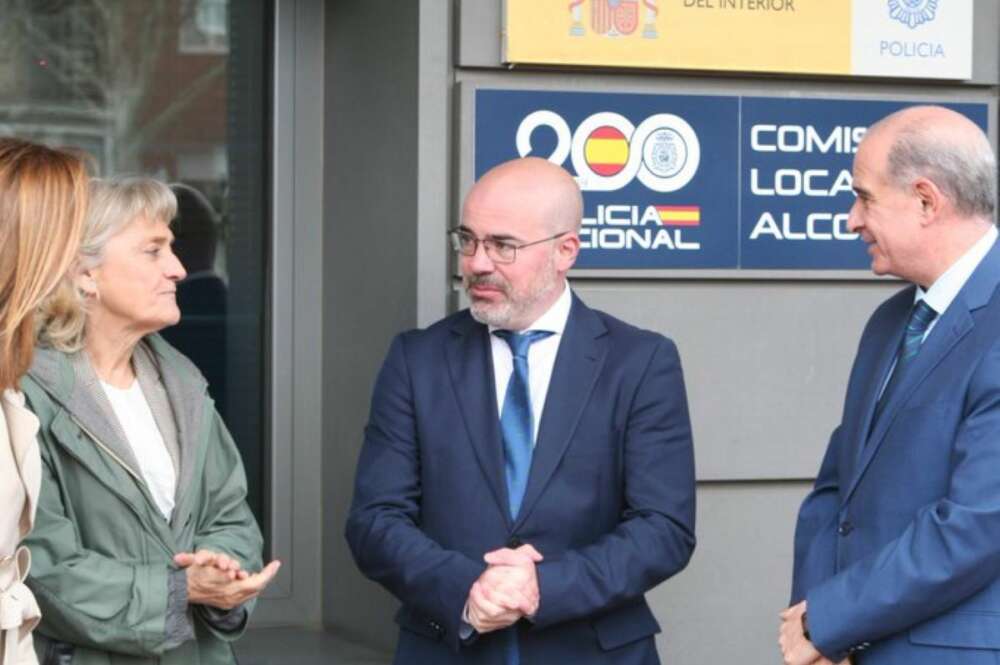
609, 502
899, 543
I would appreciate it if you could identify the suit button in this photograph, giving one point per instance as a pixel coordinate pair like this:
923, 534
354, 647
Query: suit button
845, 528
514, 542
436, 626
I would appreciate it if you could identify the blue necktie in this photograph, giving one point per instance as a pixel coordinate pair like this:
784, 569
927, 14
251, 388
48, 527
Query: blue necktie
921, 317
517, 422
518, 429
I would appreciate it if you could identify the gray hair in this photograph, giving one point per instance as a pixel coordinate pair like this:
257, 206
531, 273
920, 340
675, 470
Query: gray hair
965, 169
115, 203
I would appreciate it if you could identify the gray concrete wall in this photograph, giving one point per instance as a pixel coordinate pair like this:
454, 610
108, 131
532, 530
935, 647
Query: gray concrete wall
370, 272
399, 81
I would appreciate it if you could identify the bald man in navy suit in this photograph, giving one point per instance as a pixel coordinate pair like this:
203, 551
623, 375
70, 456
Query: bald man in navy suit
527, 473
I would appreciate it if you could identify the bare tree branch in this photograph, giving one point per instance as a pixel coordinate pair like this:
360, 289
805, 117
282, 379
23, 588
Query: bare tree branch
103, 55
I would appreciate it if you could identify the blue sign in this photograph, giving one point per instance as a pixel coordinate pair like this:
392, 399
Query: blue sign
685, 181
795, 180
656, 171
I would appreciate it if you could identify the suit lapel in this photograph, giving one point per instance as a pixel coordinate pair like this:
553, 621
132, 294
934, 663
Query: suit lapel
954, 325
22, 426
470, 364
888, 344
579, 360
21, 429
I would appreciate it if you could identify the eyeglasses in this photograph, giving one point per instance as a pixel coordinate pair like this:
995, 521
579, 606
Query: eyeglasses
499, 251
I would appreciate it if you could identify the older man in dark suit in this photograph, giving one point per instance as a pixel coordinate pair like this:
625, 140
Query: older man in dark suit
897, 550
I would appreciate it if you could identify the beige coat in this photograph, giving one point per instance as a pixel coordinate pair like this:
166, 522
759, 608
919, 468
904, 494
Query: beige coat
20, 476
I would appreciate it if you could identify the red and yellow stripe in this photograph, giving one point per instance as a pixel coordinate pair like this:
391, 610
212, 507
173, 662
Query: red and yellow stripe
679, 215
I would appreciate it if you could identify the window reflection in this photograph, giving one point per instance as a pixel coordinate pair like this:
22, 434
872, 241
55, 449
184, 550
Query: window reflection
202, 296
175, 89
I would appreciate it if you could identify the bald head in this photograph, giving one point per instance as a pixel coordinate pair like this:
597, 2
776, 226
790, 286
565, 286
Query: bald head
518, 240
946, 148
530, 186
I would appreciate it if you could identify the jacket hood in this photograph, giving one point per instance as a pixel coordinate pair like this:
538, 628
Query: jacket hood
71, 383
54, 371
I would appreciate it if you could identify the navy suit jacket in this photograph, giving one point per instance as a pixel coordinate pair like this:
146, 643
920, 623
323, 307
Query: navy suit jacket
898, 545
609, 502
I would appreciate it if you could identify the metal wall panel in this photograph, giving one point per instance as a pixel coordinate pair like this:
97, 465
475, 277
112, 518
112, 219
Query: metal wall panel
723, 608
766, 365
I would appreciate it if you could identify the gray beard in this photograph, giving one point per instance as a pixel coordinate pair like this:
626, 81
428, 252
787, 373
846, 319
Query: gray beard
506, 315
510, 314
498, 316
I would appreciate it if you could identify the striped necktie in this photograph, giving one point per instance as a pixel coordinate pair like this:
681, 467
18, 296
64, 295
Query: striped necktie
921, 317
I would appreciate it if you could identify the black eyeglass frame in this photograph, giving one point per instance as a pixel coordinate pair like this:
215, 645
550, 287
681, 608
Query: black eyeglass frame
456, 242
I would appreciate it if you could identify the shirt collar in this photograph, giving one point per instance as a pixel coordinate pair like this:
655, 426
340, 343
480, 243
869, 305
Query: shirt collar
944, 290
555, 318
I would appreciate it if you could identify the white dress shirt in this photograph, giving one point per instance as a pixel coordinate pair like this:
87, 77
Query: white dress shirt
541, 357
946, 287
541, 360
139, 427
943, 291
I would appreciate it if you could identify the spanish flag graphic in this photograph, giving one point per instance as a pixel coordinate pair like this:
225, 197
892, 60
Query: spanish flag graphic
606, 151
679, 215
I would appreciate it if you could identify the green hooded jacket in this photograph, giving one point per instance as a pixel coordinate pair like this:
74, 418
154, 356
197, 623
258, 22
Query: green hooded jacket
102, 552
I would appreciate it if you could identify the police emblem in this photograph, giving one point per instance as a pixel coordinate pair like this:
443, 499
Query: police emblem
664, 152
913, 12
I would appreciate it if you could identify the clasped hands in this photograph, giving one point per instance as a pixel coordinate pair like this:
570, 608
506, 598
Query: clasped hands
796, 649
506, 591
218, 580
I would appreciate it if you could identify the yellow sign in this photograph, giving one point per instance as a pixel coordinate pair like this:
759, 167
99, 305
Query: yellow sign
864, 37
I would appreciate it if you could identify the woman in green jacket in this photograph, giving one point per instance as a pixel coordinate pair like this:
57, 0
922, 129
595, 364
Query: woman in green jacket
143, 539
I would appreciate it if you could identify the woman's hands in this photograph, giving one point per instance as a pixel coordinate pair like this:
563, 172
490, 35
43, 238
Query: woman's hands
218, 580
